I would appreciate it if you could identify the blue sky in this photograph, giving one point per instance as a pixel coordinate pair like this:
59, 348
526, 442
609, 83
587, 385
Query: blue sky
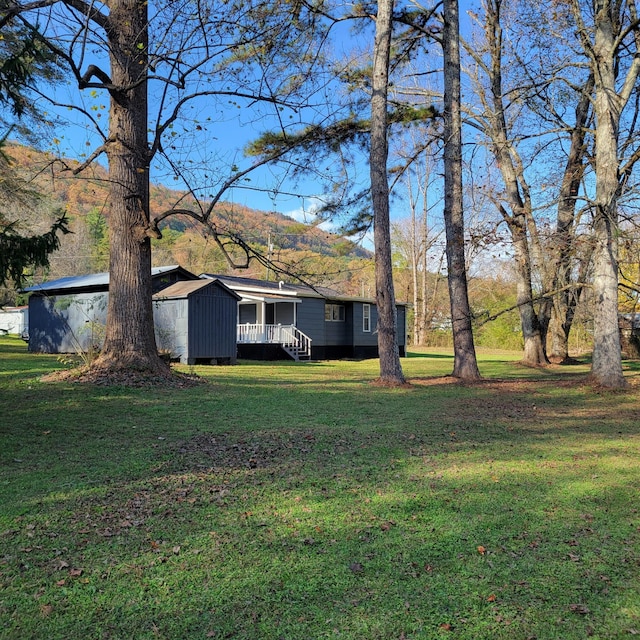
229, 130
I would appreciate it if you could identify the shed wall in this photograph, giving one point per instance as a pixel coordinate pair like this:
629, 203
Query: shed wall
171, 327
66, 324
212, 324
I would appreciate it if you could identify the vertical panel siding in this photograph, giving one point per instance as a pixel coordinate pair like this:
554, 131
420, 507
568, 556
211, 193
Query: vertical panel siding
66, 324
212, 324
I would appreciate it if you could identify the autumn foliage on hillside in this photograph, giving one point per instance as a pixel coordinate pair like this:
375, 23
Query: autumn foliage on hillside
293, 249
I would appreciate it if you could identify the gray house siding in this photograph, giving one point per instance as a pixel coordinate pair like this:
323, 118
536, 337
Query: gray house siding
329, 339
339, 332
311, 320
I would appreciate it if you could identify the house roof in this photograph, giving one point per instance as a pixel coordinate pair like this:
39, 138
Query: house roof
185, 288
253, 286
269, 287
98, 281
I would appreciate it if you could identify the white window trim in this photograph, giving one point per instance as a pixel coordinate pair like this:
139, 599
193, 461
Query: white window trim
366, 318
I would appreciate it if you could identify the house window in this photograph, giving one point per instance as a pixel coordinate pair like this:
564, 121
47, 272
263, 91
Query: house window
366, 318
334, 312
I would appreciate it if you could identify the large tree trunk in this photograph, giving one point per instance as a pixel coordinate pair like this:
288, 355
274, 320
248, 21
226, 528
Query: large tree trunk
465, 364
390, 368
607, 358
130, 340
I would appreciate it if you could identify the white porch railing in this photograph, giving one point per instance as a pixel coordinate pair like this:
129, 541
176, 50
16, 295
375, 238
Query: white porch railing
292, 340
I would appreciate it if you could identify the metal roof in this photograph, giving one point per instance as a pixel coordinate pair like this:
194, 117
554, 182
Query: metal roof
94, 280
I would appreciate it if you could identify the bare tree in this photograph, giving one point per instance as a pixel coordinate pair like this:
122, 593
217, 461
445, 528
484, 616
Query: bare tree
611, 42
514, 203
415, 237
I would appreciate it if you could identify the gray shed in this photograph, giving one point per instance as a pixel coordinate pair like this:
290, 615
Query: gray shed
68, 315
196, 322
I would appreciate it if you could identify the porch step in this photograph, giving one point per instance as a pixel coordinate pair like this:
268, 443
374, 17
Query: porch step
296, 352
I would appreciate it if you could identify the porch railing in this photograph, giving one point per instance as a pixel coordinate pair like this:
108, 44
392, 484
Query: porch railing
289, 336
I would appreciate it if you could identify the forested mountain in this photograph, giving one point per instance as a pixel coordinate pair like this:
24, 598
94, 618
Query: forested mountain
294, 249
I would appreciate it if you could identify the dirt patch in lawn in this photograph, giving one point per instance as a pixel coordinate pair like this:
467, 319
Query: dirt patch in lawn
125, 378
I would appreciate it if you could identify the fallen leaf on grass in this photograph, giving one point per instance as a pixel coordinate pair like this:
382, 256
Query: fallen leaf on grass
46, 610
579, 608
75, 572
445, 626
492, 598
481, 550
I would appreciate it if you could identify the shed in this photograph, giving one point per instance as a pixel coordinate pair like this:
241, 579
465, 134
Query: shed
629, 326
69, 314
195, 322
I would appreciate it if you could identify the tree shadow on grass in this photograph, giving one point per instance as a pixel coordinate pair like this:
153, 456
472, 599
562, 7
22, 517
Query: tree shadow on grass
500, 510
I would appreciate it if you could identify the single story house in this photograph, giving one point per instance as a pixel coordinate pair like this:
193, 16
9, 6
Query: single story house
214, 318
279, 320
68, 315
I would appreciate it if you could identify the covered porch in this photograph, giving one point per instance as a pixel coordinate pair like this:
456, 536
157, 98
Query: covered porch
271, 320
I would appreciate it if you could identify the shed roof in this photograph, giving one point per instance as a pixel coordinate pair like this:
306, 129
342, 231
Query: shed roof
97, 280
185, 288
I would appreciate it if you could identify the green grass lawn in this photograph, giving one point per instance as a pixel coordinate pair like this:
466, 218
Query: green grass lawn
299, 501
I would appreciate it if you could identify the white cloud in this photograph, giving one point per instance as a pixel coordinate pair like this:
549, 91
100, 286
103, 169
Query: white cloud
308, 214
